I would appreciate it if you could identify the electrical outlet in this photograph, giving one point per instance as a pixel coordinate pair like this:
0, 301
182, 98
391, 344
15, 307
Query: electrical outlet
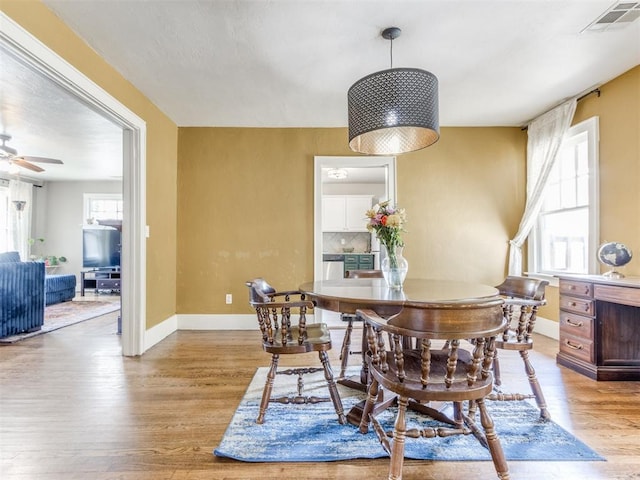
229, 299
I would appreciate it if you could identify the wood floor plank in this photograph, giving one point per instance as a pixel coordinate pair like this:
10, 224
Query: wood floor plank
73, 408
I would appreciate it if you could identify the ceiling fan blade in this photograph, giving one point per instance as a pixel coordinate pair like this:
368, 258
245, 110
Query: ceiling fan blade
39, 160
24, 164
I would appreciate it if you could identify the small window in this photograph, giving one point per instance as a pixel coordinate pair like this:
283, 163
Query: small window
564, 239
102, 206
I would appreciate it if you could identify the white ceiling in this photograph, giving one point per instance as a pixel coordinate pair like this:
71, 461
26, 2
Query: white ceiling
289, 63
45, 120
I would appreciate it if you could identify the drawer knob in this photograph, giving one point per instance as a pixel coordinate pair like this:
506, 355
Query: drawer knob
573, 346
574, 324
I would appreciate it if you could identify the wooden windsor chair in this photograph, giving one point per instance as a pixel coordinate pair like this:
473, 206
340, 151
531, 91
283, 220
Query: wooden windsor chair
282, 335
451, 370
523, 296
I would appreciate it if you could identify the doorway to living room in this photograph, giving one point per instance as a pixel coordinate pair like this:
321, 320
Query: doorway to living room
16, 41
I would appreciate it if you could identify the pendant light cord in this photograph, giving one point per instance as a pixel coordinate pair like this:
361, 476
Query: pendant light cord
391, 51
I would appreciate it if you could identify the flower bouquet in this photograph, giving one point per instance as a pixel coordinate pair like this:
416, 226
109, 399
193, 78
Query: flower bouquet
388, 224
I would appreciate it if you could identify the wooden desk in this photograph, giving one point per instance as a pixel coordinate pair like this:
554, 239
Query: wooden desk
421, 300
600, 326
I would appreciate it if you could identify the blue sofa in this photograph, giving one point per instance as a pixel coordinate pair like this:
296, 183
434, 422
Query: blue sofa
59, 288
22, 295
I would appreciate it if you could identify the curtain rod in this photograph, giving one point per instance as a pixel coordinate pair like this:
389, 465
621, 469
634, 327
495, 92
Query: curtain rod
595, 90
581, 97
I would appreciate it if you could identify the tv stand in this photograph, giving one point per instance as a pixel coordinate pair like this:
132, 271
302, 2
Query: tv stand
107, 279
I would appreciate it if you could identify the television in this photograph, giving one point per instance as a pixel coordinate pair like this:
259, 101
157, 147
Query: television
101, 247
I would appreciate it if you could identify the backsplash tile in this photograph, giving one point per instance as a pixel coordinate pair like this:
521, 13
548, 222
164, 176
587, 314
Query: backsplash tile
332, 242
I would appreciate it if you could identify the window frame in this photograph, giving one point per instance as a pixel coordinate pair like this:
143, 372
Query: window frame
89, 197
591, 127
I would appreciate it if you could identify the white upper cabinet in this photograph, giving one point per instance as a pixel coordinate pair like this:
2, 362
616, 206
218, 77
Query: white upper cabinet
345, 213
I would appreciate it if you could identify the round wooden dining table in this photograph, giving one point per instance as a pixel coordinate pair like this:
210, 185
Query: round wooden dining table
423, 300
347, 295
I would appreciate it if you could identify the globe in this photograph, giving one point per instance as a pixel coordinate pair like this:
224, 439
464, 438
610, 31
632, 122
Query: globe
614, 254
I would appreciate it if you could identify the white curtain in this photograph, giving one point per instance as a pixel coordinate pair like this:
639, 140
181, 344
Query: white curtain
20, 221
545, 135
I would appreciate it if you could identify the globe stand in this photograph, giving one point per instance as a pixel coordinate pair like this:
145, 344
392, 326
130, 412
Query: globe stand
613, 274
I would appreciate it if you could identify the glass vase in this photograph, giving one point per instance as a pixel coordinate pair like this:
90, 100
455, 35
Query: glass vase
394, 267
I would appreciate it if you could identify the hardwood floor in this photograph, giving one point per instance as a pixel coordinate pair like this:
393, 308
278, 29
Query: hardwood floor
89, 413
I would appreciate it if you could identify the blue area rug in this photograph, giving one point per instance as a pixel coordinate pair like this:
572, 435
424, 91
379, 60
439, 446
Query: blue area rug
311, 433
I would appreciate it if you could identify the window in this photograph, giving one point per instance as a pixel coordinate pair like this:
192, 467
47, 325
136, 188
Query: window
102, 206
565, 237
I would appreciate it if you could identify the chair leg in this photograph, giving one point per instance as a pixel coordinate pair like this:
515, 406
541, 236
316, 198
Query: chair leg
346, 345
268, 386
372, 396
496, 369
535, 386
493, 442
333, 389
399, 436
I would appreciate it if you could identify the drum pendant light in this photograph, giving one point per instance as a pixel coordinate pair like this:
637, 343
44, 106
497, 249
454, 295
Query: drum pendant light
393, 111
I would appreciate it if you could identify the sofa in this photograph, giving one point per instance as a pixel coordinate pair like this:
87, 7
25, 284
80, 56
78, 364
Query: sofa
22, 295
59, 288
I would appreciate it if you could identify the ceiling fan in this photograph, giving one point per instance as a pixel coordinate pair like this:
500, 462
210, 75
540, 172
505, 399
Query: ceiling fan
10, 155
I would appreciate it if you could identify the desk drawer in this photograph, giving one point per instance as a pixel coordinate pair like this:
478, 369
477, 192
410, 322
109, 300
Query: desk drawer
575, 288
576, 325
577, 347
581, 306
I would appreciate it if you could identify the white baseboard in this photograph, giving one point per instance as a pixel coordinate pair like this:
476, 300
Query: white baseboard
548, 328
159, 332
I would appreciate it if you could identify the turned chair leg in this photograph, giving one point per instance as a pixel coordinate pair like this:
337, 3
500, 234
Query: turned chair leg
372, 396
399, 437
333, 389
496, 369
493, 442
268, 387
535, 386
346, 345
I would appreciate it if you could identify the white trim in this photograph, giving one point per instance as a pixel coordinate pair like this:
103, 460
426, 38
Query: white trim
552, 279
220, 322
46, 61
548, 328
159, 332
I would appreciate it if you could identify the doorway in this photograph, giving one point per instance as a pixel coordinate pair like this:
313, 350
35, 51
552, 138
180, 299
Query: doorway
370, 176
46, 62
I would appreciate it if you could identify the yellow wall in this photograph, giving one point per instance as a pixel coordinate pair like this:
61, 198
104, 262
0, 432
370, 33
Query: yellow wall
245, 202
618, 108
162, 137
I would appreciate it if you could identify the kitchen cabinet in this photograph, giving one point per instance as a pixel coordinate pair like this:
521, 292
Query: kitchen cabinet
599, 337
358, 262
345, 213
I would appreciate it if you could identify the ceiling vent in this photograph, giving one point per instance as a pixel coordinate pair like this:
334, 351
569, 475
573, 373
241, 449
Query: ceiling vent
618, 16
